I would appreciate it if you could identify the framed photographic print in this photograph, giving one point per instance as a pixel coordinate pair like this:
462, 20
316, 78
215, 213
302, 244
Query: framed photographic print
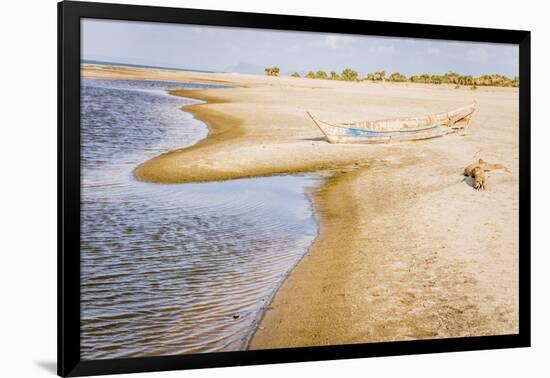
239, 188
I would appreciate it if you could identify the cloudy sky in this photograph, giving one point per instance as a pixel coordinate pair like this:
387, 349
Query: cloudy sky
250, 50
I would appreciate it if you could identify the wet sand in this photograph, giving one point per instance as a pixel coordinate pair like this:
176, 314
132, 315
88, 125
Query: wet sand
407, 249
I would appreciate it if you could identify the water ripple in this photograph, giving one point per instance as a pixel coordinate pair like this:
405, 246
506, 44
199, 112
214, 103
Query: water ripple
169, 269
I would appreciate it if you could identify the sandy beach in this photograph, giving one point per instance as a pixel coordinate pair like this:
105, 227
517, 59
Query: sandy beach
407, 249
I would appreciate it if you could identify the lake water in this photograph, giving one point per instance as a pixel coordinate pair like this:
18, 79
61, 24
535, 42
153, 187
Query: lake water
170, 269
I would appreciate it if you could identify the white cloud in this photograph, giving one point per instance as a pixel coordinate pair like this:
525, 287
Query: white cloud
382, 49
477, 54
433, 51
334, 41
201, 30
293, 49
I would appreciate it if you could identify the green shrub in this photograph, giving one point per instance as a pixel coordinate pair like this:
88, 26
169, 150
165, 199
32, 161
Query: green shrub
349, 75
272, 71
321, 75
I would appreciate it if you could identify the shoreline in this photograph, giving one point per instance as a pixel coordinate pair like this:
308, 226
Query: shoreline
309, 194
342, 295
226, 130
220, 128
396, 257
314, 198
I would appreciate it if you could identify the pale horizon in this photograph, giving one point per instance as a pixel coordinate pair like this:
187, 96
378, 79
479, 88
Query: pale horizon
242, 50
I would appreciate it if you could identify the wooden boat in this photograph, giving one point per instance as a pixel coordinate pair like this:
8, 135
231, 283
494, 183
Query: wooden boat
398, 129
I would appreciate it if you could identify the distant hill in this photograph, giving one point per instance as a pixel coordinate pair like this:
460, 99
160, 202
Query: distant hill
245, 68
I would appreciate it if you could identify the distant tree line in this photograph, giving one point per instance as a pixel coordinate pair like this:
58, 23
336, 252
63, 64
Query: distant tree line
455, 78
346, 75
272, 71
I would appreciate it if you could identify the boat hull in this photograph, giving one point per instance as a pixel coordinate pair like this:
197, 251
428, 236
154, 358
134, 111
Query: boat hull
398, 129
350, 135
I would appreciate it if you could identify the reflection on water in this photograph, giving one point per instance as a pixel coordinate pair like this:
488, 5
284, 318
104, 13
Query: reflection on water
168, 269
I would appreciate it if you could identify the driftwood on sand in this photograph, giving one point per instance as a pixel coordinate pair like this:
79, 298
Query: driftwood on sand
477, 172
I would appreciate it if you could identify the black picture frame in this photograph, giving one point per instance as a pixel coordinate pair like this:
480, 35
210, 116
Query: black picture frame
69, 15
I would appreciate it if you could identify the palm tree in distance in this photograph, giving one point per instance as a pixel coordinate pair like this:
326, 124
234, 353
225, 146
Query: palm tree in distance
321, 75
272, 71
455, 78
349, 75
